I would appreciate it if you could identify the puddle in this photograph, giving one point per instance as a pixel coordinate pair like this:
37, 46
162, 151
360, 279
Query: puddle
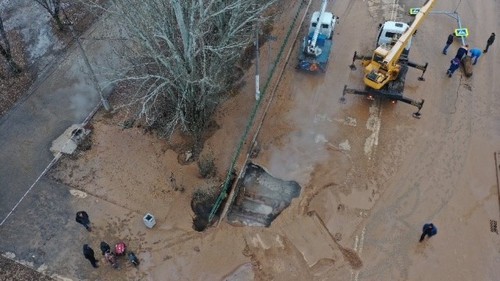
261, 197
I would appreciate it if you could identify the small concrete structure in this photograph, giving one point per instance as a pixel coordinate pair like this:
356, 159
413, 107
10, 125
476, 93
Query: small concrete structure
68, 141
149, 220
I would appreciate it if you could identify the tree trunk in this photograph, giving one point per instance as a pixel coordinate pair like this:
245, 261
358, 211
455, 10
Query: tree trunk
183, 54
59, 23
13, 67
53, 7
56, 16
5, 50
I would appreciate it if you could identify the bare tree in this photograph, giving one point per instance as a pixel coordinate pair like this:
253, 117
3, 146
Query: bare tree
183, 56
5, 50
53, 7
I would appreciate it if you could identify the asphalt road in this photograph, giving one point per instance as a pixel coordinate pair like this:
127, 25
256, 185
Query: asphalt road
37, 214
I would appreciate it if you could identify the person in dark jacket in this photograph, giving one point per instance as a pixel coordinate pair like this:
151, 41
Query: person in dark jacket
462, 52
89, 254
428, 229
489, 42
454, 65
448, 43
105, 248
83, 218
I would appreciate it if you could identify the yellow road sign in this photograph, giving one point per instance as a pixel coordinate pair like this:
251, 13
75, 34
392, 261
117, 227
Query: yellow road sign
462, 32
414, 11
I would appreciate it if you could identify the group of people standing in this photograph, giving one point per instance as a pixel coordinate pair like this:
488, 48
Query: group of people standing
120, 248
83, 218
462, 52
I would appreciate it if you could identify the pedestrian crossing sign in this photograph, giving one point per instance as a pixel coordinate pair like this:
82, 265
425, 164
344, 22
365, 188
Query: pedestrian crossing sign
414, 11
461, 32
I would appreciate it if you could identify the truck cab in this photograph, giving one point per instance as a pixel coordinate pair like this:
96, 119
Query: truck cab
389, 34
317, 44
327, 22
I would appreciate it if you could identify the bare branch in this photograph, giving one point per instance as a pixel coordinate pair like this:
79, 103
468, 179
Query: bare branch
182, 55
5, 50
53, 7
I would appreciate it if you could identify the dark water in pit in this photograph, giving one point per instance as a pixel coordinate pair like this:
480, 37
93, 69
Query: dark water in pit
261, 197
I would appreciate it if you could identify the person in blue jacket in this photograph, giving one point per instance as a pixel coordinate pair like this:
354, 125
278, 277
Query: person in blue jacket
454, 65
462, 52
475, 53
428, 229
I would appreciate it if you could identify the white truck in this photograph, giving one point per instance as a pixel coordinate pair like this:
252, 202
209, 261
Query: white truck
389, 33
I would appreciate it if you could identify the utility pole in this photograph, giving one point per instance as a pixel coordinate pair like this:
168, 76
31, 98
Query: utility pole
257, 78
104, 102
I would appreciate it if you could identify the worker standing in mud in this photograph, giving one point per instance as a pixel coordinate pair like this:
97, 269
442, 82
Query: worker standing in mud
449, 41
475, 53
83, 218
490, 41
88, 253
428, 230
454, 65
462, 52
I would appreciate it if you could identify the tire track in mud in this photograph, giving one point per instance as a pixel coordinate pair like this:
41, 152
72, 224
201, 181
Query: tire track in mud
373, 124
385, 9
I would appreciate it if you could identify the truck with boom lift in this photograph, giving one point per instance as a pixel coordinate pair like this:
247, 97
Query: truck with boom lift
385, 70
316, 46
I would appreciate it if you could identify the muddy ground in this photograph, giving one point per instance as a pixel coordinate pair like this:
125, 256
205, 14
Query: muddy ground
371, 175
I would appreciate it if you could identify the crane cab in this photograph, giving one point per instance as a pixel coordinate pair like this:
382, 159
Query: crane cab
376, 71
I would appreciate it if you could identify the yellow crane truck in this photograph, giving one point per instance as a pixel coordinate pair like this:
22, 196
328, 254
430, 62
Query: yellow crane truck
385, 70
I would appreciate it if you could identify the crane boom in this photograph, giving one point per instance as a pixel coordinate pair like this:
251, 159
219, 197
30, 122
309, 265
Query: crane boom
384, 65
317, 44
395, 52
311, 48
